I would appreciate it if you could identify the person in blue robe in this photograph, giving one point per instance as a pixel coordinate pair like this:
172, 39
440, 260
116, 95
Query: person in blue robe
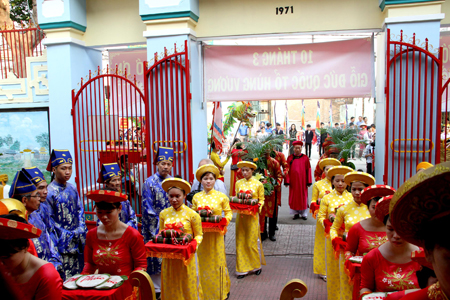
45, 247
155, 200
110, 175
66, 213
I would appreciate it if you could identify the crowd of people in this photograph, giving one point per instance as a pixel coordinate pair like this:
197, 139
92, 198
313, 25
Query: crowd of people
369, 238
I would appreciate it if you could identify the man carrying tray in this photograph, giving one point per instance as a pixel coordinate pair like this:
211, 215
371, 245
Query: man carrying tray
155, 200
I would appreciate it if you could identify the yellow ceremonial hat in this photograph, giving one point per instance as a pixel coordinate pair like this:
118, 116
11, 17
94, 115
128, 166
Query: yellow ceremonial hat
15, 207
339, 170
206, 168
359, 176
423, 165
420, 200
328, 162
3, 209
181, 184
247, 164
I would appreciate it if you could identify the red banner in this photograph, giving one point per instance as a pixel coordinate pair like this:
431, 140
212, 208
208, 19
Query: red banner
307, 71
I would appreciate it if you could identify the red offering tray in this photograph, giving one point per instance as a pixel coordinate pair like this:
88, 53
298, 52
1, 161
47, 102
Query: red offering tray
220, 227
244, 209
183, 252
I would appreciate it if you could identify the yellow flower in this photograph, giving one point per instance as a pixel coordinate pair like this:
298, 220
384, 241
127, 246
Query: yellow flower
258, 176
255, 159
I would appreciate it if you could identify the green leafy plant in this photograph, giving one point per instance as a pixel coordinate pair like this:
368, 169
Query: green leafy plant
321, 130
21, 11
255, 149
345, 140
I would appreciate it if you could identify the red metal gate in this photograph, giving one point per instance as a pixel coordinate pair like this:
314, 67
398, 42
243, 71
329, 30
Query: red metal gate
167, 89
110, 121
413, 108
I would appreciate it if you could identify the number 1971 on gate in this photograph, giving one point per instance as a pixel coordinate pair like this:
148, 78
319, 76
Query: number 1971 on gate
280, 10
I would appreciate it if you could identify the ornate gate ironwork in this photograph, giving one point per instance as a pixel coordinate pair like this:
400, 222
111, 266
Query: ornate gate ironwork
167, 89
110, 121
413, 107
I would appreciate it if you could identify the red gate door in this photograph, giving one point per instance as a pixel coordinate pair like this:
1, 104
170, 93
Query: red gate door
110, 118
413, 108
167, 85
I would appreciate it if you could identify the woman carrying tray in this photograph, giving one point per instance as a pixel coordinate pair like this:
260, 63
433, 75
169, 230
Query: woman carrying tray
389, 267
249, 253
30, 277
330, 202
369, 233
214, 276
319, 190
348, 215
113, 247
110, 176
177, 280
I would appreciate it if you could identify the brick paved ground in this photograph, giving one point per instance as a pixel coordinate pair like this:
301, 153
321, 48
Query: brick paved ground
288, 258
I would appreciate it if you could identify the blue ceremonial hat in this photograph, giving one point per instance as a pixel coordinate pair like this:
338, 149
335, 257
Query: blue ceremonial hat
34, 174
21, 185
163, 153
59, 157
108, 171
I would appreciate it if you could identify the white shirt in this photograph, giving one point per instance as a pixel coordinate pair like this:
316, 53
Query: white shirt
368, 150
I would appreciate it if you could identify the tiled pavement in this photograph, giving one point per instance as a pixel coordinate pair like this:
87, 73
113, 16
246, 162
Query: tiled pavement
288, 258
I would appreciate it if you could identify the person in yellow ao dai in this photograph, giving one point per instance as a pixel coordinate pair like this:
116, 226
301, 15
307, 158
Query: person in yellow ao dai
320, 189
349, 215
249, 252
177, 280
214, 276
339, 195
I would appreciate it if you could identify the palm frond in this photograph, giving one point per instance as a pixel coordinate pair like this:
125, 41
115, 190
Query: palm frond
345, 140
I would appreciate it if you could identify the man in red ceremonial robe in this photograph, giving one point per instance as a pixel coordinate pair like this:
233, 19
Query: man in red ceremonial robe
281, 159
270, 208
298, 179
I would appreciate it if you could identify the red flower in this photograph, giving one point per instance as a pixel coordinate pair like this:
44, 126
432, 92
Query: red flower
342, 160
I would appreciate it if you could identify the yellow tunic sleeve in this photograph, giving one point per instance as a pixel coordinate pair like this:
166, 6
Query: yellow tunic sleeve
315, 193
196, 225
337, 222
216, 160
322, 214
226, 208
